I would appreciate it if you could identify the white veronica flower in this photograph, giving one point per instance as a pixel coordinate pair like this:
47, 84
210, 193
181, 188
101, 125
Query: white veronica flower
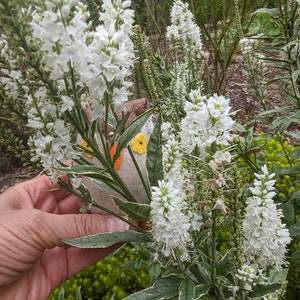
250, 277
170, 225
172, 161
207, 121
184, 30
265, 236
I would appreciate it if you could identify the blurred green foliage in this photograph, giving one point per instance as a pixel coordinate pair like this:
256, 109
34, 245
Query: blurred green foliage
114, 277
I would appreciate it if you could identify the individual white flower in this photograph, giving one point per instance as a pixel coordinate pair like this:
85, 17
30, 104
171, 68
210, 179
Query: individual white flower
222, 156
67, 103
220, 205
76, 182
265, 236
170, 225
195, 219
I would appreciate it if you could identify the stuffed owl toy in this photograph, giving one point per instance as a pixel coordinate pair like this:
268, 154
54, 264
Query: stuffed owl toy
124, 164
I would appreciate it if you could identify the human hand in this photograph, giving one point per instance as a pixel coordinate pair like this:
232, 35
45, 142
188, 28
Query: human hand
34, 217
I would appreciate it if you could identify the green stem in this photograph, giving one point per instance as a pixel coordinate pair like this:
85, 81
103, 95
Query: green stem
124, 219
213, 248
145, 185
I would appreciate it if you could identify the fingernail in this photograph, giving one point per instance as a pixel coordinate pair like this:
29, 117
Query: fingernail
115, 224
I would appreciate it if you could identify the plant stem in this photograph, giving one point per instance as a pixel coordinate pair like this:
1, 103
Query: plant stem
213, 247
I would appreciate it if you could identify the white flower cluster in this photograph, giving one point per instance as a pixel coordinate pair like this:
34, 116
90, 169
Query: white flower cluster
100, 58
170, 225
248, 45
207, 121
171, 216
180, 82
87, 67
184, 29
11, 76
265, 237
250, 277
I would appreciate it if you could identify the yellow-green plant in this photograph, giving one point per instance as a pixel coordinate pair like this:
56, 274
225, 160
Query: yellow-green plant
115, 276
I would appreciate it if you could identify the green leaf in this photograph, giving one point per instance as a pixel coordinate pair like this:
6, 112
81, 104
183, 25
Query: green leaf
107, 239
295, 230
224, 264
154, 271
295, 262
135, 211
261, 290
288, 211
61, 294
78, 293
294, 134
201, 290
204, 272
82, 170
164, 288
186, 289
278, 275
131, 131
295, 75
154, 155
271, 11
107, 186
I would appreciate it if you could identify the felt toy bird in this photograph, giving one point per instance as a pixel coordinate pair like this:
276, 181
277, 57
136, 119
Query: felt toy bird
123, 164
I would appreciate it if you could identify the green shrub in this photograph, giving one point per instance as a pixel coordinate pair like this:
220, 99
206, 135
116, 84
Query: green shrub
113, 276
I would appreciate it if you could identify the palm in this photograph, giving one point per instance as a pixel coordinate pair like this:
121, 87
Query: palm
25, 265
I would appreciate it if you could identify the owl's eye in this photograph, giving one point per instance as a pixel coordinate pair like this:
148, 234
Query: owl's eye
84, 145
139, 143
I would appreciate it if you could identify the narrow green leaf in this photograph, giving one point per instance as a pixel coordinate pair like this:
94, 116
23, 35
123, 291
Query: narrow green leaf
278, 275
288, 211
186, 289
82, 170
271, 11
295, 75
107, 239
154, 271
224, 264
261, 290
135, 211
201, 290
78, 295
61, 294
294, 134
107, 186
132, 130
204, 272
164, 288
154, 155
295, 230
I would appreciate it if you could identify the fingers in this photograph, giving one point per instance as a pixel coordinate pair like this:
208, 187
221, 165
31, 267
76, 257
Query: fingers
41, 194
73, 259
53, 228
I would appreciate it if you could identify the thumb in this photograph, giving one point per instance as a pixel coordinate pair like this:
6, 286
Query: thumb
58, 227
